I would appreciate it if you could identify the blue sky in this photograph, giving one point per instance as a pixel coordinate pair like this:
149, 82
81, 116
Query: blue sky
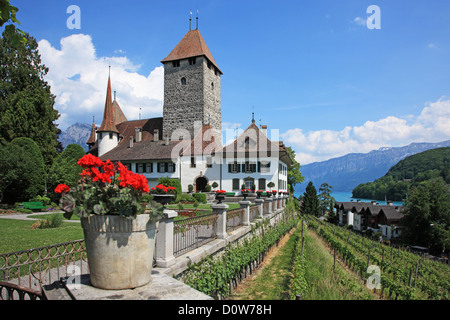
311, 69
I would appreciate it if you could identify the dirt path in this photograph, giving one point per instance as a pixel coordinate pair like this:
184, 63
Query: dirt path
239, 292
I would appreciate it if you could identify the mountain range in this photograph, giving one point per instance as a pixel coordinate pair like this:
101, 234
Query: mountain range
77, 133
346, 172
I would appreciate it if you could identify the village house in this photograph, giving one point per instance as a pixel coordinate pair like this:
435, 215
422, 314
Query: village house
372, 216
186, 143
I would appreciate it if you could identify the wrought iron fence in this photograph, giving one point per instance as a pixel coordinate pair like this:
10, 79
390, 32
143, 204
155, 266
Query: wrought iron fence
254, 212
35, 267
194, 232
235, 218
11, 291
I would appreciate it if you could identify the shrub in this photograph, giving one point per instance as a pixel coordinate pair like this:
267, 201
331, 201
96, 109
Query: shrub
54, 221
186, 198
190, 188
172, 183
214, 185
45, 200
207, 188
200, 197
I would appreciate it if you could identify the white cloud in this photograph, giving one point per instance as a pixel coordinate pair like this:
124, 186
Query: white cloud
78, 79
431, 125
359, 21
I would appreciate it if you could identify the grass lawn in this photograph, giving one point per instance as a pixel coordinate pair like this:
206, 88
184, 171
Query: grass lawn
17, 235
324, 283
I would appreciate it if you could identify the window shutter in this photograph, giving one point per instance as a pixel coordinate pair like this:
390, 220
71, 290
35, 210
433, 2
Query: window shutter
166, 167
238, 167
229, 167
259, 167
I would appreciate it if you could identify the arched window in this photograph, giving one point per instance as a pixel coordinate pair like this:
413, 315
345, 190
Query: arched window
212, 85
183, 81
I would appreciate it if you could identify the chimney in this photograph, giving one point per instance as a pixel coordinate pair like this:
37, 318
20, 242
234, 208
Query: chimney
138, 134
264, 129
167, 141
156, 135
131, 142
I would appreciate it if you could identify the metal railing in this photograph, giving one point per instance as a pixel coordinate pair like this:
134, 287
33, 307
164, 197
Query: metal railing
35, 267
254, 212
194, 232
235, 218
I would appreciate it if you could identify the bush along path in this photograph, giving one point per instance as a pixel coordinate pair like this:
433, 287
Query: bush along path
218, 275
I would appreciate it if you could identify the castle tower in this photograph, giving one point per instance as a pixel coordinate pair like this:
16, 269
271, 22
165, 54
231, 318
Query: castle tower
107, 133
191, 87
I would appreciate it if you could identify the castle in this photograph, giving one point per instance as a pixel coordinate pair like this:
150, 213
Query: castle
186, 143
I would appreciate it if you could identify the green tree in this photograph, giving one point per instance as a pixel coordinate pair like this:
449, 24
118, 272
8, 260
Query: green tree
293, 171
11, 165
65, 169
310, 203
326, 201
30, 179
427, 215
8, 13
26, 103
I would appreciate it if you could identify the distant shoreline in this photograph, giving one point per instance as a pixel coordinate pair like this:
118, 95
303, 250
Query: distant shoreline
346, 196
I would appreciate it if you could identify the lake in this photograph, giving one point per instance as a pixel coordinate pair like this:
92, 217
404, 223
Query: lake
341, 196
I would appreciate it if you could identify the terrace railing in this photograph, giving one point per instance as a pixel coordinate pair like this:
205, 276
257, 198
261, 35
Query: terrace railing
36, 267
191, 233
235, 218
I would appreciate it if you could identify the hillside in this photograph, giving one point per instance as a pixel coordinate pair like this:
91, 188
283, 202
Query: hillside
346, 172
395, 184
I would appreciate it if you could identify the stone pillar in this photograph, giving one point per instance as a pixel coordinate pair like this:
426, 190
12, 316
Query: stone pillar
269, 201
164, 240
246, 206
260, 203
221, 210
275, 203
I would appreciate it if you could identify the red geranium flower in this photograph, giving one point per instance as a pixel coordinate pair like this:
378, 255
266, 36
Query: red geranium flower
62, 188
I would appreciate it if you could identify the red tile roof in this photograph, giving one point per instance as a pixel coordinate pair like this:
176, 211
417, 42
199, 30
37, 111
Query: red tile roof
108, 123
192, 45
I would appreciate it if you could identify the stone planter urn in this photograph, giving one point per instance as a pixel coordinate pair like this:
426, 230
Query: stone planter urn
220, 197
119, 250
163, 198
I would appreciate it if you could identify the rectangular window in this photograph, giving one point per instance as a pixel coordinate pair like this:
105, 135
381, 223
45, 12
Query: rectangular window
161, 167
192, 61
236, 184
140, 168
233, 167
110, 135
149, 168
193, 165
176, 63
261, 184
171, 167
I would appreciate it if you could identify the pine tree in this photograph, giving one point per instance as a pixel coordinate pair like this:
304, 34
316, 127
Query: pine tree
310, 204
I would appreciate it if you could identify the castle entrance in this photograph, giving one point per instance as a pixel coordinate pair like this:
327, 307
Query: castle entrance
200, 184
